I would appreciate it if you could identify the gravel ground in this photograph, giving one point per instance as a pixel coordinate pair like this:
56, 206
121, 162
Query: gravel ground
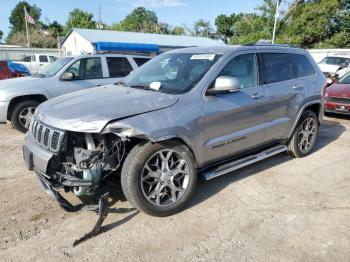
281, 209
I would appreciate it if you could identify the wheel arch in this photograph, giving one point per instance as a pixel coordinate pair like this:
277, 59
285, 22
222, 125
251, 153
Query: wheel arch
314, 106
166, 139
14, 101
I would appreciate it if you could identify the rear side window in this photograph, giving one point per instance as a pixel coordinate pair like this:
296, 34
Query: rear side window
141, 60
118, 66
43, 59
26, 59
301, 65
53, 59
274, 68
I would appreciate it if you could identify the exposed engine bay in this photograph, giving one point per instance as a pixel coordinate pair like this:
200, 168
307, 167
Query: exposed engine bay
85, 160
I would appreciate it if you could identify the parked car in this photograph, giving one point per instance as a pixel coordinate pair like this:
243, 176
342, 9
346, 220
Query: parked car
192, 111
37, 62
10, 69
337, 99
335, 64
20, 97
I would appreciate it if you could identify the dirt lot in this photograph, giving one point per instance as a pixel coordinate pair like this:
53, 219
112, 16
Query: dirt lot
282, 209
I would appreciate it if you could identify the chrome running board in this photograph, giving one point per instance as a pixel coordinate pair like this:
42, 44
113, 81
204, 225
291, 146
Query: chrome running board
243, 162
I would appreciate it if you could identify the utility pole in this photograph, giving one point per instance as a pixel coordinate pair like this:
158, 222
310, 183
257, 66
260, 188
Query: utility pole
276, 20
25, 19
99, 24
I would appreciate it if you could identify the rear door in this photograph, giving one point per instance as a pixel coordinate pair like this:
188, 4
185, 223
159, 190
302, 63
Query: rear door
88, 73
43, 61
118, 68
235, 122
286, 92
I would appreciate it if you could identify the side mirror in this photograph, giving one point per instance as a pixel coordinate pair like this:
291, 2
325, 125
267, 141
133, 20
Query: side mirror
224, 85
67, 76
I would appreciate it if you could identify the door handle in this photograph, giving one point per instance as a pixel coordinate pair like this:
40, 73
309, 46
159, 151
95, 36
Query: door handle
297, 87
257, 96
98, 85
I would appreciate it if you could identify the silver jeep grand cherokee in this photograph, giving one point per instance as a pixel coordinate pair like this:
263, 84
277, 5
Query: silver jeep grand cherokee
192, 111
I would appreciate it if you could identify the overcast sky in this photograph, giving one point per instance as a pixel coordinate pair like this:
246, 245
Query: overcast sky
173, 12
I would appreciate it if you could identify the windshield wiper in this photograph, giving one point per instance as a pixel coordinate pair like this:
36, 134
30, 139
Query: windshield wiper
122, 83
141, 87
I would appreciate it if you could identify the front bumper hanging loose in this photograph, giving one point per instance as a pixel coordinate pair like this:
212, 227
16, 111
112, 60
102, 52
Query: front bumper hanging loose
101, 208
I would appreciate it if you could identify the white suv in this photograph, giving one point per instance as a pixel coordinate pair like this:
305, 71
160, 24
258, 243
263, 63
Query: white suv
20, 97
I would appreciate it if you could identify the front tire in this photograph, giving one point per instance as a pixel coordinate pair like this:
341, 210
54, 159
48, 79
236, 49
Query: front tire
305, 135
159, 178
22, 115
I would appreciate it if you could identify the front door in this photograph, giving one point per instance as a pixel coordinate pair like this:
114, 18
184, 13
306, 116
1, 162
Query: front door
235, 122
87, 73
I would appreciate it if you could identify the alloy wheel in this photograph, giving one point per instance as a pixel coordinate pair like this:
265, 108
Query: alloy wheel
307, 135
25, 116
165, 178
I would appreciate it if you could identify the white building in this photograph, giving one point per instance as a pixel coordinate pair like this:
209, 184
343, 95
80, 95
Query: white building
80, 41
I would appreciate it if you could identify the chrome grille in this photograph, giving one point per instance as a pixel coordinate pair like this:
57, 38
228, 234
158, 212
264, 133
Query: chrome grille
342, 100
46, 136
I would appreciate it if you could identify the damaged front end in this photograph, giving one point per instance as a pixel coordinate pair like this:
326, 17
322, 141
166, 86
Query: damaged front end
81, 163
85, 161
77, 162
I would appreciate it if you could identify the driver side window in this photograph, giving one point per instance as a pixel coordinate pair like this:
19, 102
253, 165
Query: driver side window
244, 68
86, 68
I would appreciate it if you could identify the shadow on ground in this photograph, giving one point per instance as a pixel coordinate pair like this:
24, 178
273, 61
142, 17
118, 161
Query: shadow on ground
329, 132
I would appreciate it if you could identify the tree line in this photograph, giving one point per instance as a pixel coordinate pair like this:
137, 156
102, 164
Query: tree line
304, 23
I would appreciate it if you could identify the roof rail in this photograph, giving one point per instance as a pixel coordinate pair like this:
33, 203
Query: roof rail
277, 45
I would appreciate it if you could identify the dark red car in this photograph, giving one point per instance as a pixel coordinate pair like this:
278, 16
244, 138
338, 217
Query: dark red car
337, 98
9, 69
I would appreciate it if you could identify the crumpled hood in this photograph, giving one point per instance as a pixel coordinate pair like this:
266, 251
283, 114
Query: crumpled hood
90, 110
339, 90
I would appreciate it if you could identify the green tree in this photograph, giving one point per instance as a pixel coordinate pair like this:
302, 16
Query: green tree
163, 28
177, 30
38, 38
1, 35
312, 23
201, 28
225, 26
17, 21
55, 29
246, 28
79, 19
140, 20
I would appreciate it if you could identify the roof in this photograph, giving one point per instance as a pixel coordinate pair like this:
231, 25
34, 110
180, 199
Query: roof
339, 55
94, 36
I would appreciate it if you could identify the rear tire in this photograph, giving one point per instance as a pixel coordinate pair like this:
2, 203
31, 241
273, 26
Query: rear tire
159, 178
22, 114
305, 135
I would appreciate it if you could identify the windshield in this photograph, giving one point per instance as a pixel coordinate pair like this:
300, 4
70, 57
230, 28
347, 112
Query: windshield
172, 73
345, 79
340, 61
55, 67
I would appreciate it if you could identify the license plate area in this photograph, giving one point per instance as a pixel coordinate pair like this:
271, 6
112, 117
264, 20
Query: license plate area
28, 158
342, 108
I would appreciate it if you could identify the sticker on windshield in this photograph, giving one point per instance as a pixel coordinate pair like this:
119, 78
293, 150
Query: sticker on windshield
155, 85
203, 57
